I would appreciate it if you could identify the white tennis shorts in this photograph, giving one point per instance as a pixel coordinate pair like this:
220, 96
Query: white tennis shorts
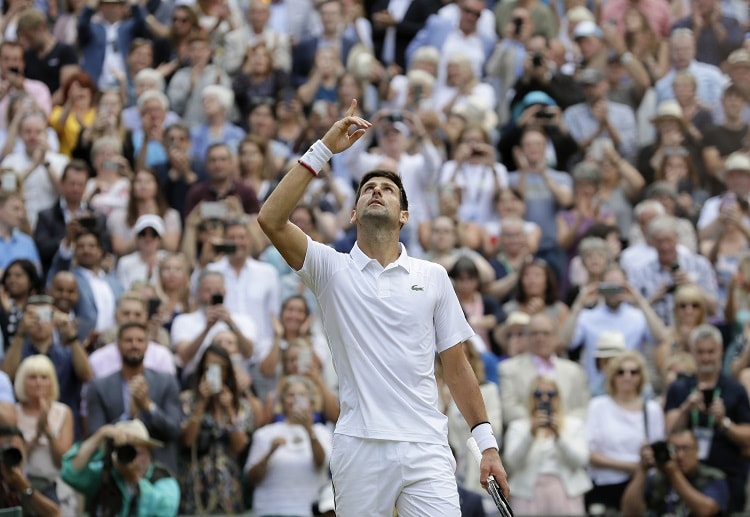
372, 477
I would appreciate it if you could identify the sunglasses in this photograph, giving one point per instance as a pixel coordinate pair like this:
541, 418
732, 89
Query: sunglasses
684, 305
550, 394
633, 372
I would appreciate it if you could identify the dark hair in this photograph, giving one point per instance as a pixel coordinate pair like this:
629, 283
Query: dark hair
464, 265
692, 171
230, 381
513, 190
75, 165
601, 230
8, 431
28, 267
382, 173
550, 289
161, 202
217, 145
177, 126
130, 325
88, 231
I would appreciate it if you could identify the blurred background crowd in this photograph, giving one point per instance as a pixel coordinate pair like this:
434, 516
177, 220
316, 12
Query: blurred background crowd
581, 168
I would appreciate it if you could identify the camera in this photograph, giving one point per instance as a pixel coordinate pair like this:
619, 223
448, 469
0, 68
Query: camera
517, 24
544, 113
125, 453
217, 299
393, 117
708, 396
661, 451
537, 60
10, 456
226, 248
153, 306
14, 70
607, 289
546, 407
88, 222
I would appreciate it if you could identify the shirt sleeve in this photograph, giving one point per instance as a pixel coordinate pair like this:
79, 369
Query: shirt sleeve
718, 490
88, 479
451, 327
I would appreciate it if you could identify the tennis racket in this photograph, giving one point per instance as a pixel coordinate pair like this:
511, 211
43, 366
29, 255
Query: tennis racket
492, 487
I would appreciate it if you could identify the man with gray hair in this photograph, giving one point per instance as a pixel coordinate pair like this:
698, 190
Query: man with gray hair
658, 277
716, 408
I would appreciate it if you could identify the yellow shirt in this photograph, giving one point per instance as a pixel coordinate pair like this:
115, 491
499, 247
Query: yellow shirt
69, 133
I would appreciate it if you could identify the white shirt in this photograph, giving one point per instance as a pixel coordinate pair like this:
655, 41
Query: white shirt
187, 327
38, 191
104, 299
384, 327
112, 57
131, 268
459, 43
254, 292
108, 360
478, 184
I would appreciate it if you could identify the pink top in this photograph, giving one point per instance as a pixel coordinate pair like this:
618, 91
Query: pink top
657, 12
37, 90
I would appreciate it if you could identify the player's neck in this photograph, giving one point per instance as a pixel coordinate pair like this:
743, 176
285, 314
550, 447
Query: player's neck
379, 244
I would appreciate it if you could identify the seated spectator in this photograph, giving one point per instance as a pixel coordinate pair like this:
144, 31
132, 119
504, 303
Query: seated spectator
63, 289
716, 33
681, 483
112, 469
48, 332
19, 282
78, 110
148, 141
322, 84
546, 454
444, 248
37, 168
537, 292
180, 172
16, 489
461, 84
47, 427
109, 188
217, 103
258, 32
512, 337
137, 392
672, 267
618, 423
293, 452
733, 202
12, 68
518, 374
20, 106
721, 140
173, 286
146, 198
192, 332
679, 171
258, 79
690, 311
256, 166
639, 251
698, 118
509, 204
98, 289
716, 408
145, 80
186, 86
218, 422
589, 266
14, 243
458, 430
667, 196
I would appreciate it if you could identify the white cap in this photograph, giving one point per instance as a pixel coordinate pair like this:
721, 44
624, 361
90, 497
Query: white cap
150, 221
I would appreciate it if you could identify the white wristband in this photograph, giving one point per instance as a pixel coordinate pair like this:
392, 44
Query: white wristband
316, 157
482, 433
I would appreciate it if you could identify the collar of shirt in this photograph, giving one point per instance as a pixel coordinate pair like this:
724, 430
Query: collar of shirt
13, 236
93, 274
231, 190
544, 366
361, 260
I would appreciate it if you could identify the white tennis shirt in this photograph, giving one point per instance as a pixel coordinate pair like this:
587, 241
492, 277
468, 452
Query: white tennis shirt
384, 326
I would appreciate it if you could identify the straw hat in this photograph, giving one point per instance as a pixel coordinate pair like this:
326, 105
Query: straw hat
137, 433
610, 344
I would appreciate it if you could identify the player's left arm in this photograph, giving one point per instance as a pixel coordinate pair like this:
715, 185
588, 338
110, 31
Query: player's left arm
464, 389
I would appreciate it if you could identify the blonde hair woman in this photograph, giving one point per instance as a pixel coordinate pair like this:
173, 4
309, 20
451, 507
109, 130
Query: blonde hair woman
546, 456
617, 426
690, 310
47, 427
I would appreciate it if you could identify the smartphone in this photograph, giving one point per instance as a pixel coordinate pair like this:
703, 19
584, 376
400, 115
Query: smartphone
87, 222
708, 397
45, 314
9, 182
213, 210
213, 378
661, 451
217, 299
544, 114
546, 407
301, 403
608, 289
227, 248
537, 60
517, 25
111, 165
304, 360
153, 306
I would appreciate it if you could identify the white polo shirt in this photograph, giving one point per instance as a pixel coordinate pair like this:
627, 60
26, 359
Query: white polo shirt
384, 326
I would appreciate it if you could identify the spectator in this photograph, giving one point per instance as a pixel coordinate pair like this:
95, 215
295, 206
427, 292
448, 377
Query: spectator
589, 266
146, 199
618, 423
259, 79
322, 84
47, 59
147, 79
256, 167
216, 431
512, 336
672, 267
105, 42
136, 392
288, 453
63, 288
221, 182
690, 311
109, 189
66, 25
592, 48
13, 81
148, 141
394, 26
143, 263
462, 87
510, 205
682, 483
698, 118
76, 111
656, 14
547, 453
680, 177
192, 332
19, 282
537, 292
732, 203
181, 171
737, 68
174, 287
258, 33
38, 168
217, 104
716, 409
732, 135
111, 461
47, 427
519, 373
15, 486
716, 34
14, 244
65, 214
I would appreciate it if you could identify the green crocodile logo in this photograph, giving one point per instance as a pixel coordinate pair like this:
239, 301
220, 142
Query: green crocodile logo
415, 287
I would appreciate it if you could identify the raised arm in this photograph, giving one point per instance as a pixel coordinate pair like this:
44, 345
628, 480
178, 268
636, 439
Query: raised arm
274, 215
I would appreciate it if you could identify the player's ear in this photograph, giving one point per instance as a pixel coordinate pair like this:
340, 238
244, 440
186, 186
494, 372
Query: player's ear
403, 217
353, 219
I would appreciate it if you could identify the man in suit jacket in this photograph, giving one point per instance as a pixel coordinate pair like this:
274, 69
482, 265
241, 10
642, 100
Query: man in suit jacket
95, 313
518, 373
137, 392
404, 24
109, 38
52, 223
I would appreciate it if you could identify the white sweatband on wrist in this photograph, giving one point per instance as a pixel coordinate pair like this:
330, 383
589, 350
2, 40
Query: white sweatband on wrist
316, 157
482, 433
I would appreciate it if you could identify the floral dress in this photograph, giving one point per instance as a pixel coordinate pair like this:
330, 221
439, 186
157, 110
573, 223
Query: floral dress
210, 475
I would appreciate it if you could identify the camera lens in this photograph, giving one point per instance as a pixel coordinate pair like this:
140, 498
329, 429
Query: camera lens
125, 453
11, 457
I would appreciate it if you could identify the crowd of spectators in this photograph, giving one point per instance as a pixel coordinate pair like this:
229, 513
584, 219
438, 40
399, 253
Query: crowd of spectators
580, 168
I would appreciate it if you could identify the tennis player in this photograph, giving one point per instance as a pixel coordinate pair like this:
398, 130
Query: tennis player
386, 314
